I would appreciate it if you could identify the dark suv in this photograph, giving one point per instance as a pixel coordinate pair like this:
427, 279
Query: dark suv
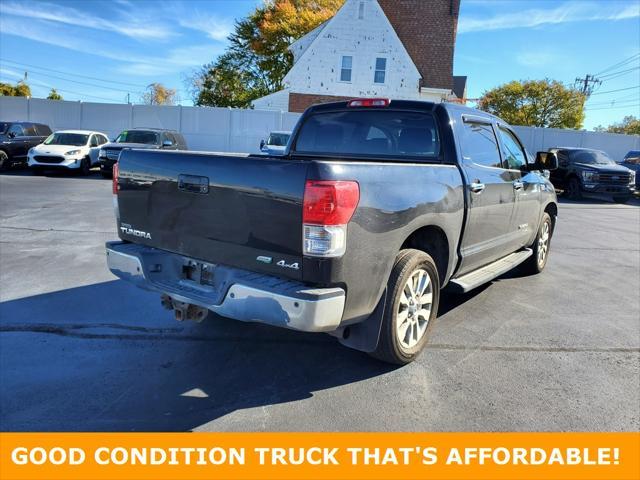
141, 138
582, 170
632, 162
16, 138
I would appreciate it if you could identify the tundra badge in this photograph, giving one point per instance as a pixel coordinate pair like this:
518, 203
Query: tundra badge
129, 230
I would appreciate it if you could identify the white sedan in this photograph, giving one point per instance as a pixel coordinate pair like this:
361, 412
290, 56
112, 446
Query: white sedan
69, 150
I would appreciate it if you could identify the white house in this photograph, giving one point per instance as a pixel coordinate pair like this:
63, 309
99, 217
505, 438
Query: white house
399, 49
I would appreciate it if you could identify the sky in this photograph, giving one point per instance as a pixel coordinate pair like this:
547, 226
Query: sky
108, 51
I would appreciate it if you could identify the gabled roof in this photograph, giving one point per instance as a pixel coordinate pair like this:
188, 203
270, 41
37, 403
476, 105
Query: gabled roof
301, 45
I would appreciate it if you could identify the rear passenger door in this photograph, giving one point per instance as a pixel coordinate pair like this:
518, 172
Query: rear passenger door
32, 138
490, 194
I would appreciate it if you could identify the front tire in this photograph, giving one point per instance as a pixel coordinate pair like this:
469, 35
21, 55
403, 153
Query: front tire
85, 167
574, 191
413, 293
536, 262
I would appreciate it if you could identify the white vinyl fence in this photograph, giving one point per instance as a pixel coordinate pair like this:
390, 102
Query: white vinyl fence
235, 130
204, 128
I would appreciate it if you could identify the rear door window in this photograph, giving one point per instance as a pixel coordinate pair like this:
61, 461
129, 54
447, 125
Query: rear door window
29, 130
370, 133
479, 145
42, 130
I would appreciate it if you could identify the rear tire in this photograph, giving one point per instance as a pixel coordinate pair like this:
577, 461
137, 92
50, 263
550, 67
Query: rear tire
5, 163
105, 174
536, 262
623, 199
413, 293
574, 192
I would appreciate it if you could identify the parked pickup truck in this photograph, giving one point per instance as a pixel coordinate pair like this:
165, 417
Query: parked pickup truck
374, 208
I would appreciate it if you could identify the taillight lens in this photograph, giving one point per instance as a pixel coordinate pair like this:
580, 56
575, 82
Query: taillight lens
330, 202
327, 209
115, 179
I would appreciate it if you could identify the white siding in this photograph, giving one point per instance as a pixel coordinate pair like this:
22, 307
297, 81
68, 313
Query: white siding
278, 101
318, 69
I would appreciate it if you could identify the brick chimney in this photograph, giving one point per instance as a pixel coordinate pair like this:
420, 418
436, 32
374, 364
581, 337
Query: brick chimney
427, 28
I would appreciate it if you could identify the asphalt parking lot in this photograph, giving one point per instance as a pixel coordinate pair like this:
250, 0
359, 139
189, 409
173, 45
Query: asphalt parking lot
80, 350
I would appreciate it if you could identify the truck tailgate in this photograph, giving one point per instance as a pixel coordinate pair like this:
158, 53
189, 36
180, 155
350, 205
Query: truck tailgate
241, 211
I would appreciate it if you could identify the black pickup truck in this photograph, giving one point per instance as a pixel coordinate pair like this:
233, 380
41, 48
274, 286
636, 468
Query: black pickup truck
375, 206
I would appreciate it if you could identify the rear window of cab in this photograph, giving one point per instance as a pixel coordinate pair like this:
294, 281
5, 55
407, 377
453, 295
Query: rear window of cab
374, 133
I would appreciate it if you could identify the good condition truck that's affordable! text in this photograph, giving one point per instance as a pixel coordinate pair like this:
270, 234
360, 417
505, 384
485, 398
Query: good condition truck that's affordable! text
375, 206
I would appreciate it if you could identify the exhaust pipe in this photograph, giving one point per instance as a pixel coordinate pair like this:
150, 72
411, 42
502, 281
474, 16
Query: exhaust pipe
184, 311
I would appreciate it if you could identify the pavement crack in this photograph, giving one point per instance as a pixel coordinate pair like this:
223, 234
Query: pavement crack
498, 348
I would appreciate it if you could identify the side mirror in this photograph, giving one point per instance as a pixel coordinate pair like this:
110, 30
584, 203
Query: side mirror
262, 144
545, 161
12, 135
167, 143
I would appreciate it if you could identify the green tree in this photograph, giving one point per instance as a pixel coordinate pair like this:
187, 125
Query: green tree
629, 125
258, 58
158, 94
20, 89
54, 95
536, 103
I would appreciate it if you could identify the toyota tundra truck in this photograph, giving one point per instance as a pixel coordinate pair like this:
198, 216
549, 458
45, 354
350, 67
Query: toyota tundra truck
373, 209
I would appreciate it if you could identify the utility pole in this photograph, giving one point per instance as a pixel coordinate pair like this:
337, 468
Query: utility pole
128, 98
587, 84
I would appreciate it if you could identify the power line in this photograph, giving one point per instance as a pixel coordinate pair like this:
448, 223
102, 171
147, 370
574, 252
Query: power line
613, 108
620, 64
611, 76
83, 83
74, 74
614, 102
618, 90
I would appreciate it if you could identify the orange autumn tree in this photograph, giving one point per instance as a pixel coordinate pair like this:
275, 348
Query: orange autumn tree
258, 58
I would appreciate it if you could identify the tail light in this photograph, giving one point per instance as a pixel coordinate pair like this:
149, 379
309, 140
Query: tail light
115, 178
327, 209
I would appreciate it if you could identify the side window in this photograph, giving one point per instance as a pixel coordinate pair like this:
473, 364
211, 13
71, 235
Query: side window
94, 140
43, 130
563, 158
513, 153
16, 129
381, 70
30, 130
479, 145
345, 71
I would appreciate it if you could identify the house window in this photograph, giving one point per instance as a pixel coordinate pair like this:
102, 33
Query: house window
345, 71
361, 11
381, 70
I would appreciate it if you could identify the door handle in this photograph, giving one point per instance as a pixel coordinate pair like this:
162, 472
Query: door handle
518, 185
477, 187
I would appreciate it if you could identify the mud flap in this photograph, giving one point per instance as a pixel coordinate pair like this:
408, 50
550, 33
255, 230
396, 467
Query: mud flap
364, 336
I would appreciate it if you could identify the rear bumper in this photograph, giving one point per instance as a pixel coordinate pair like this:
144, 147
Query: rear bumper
230, 292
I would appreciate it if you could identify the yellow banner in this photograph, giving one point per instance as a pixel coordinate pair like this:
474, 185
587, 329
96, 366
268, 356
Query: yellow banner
355, 456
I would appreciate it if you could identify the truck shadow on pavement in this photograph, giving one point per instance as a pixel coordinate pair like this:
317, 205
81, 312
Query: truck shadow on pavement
25, 172
107, 357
